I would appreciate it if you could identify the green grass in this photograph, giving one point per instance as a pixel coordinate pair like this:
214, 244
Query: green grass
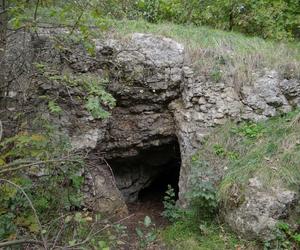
269, 150
234, 56
188, 235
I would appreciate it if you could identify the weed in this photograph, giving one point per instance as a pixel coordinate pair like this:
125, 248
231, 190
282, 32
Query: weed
97, 100
285, 238
146, 232
202, 194
54, 107
185, 234
171, 211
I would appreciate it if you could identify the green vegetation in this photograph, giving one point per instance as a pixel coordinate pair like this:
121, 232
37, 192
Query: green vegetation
46, 156
171, 210
34, 168
278, 19
146, 233
185, 234
285, 238
198, 228
268, 150
96, 97
273, 19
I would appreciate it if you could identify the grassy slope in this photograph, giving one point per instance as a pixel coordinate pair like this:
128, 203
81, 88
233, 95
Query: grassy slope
268, 149
233, 55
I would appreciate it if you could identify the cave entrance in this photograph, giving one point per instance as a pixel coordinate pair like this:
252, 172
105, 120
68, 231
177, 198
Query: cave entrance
144, 178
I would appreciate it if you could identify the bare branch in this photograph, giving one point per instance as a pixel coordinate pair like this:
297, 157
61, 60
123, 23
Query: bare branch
25, 164
20, 242
91, 234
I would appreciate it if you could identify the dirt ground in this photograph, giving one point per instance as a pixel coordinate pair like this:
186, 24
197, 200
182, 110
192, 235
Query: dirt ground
149, 205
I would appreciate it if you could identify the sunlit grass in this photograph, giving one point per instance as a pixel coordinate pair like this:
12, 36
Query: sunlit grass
188, 235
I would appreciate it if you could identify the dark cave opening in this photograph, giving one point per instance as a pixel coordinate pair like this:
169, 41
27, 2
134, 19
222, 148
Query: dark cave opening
144, 178
159, 185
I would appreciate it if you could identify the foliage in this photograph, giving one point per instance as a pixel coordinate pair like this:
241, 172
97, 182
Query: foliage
45, 169
250, 130
146, 232
202, 194
96, 97
268, 150
171, 210
54, 107
41, 164
285, 237
278, 19
225, 57
275, 139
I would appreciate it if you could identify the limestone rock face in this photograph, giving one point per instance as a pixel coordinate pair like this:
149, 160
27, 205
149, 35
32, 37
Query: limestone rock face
159, 99
257, 216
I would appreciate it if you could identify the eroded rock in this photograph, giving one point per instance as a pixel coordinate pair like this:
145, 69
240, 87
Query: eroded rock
256, 217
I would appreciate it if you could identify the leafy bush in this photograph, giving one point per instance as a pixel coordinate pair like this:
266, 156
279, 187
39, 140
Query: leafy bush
146, 232
43, 169
95, 88
171, 211
202, 195
278, 19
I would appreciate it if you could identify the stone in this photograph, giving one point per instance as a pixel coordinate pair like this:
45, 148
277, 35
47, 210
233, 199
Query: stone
256, 217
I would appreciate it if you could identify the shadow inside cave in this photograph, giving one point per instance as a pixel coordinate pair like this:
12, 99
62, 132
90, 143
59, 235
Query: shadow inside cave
145, 177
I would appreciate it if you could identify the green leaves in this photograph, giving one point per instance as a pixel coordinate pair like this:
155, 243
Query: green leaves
203, 193
171, 211
147, 221
97, 101
54, 107
146, 234
42, 154
93, 105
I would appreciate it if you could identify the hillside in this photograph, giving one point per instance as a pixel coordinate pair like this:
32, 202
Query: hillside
144, 129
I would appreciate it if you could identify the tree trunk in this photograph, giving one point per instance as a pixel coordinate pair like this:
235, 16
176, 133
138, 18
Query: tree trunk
3, 30
3, 24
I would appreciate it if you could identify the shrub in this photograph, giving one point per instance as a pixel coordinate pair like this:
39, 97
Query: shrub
202, 195
278, 19
43, 168
171, 211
